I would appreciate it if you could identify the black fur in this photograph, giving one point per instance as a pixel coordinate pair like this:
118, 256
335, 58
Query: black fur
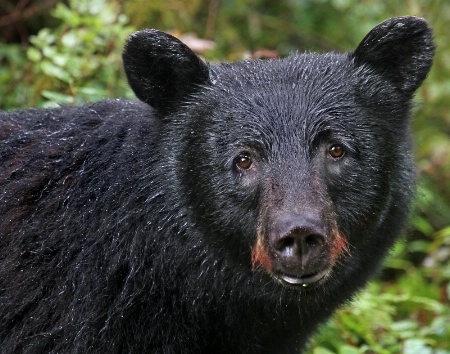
178, 228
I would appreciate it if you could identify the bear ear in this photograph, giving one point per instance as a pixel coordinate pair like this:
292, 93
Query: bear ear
161, 70
401, 49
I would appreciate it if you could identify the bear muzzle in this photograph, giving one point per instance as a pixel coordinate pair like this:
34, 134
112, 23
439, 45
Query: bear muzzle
299, 249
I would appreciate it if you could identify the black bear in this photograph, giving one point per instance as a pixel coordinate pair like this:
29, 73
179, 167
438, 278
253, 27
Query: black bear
232, 210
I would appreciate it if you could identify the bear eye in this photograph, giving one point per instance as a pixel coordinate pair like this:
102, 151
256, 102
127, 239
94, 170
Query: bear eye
243, 162
336, 151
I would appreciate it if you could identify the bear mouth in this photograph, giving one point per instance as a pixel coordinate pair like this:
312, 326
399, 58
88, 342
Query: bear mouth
303, 281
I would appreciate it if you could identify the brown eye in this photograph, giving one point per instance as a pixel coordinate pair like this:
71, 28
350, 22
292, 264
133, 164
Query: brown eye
336, 151
244, 162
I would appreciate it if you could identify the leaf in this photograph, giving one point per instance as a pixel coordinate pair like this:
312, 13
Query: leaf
346, 349
33, 54
416, 346
322, 350
53, 70
57, 97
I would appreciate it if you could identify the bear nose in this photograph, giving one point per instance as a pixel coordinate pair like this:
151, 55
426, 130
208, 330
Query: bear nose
298, 241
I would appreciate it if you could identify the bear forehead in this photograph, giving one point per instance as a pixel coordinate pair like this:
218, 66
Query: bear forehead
307, 69
293, 85
287, 90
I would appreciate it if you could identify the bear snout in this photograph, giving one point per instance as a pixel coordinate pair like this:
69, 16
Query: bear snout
300, 248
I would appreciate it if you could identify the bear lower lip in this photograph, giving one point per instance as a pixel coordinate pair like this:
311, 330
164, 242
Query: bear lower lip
303, 281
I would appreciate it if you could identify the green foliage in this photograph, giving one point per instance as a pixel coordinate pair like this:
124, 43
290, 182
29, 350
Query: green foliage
15, 77
407, 317
76, 62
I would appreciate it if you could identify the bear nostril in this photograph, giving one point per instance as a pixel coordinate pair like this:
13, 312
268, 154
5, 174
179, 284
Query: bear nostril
285, 245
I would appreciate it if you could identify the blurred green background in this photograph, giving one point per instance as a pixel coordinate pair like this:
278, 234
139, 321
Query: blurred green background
69, 52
